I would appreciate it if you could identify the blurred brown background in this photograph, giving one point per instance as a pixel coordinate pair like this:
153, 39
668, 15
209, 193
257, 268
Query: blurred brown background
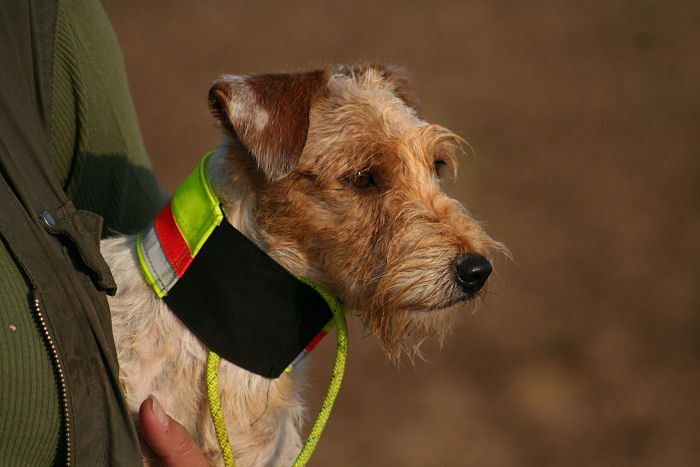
585, 120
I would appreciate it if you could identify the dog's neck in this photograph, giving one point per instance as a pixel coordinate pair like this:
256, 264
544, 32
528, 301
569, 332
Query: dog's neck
235, 193
226, 290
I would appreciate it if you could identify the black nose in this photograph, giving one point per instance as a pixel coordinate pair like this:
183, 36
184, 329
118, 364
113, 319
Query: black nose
472, 272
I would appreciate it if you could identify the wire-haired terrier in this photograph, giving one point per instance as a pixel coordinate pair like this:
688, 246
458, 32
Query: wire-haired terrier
336, 177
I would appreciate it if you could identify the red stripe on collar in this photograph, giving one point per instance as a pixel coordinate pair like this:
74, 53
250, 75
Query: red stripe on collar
172, 241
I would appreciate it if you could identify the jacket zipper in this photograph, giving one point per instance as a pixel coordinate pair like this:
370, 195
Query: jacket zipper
38, 308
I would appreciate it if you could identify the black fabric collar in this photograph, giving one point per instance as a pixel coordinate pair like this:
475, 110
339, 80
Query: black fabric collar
246, 307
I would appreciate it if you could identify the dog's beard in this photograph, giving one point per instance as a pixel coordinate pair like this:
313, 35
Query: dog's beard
402, 333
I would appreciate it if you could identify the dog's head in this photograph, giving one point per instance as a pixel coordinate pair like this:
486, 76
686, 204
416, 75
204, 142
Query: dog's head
340, 180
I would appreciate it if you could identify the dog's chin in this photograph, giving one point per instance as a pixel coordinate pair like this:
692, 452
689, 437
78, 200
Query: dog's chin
460, 304
403, 332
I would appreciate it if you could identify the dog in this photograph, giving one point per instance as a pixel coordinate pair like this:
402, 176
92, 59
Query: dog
335, 176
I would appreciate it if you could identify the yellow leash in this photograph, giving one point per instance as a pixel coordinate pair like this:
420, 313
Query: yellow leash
213, 361
217, 415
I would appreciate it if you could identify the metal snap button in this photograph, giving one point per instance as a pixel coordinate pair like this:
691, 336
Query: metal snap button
48, 218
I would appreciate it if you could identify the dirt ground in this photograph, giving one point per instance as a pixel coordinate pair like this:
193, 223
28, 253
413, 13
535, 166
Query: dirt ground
585, 120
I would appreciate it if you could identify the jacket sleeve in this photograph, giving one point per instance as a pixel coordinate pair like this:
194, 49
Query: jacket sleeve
99, 155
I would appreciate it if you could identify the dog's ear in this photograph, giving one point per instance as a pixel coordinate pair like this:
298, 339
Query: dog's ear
398, 77
269, 114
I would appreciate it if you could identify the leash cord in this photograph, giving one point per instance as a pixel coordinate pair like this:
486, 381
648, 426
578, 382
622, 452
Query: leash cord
341, 353
213, 361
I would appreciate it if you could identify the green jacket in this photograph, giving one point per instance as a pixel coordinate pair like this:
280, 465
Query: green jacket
69, 148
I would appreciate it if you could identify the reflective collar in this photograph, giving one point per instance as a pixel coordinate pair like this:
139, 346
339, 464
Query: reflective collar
236, 299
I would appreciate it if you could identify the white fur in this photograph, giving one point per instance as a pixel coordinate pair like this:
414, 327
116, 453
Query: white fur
244, 105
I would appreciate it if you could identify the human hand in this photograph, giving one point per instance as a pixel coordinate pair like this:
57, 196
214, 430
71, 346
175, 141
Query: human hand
168, 439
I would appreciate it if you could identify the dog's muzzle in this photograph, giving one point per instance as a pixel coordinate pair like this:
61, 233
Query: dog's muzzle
472, 271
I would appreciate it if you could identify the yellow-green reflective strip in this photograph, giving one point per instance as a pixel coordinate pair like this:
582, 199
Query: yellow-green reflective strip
196, 208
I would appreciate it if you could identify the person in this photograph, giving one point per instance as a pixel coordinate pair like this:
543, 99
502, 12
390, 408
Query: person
72, 168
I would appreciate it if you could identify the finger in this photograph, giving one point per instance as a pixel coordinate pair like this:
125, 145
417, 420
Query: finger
167, 438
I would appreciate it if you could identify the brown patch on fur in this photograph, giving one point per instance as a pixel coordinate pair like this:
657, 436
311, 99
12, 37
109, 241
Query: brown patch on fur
273, 121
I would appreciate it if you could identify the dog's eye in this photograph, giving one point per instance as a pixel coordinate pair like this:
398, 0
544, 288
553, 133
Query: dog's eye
362, 179
440, 168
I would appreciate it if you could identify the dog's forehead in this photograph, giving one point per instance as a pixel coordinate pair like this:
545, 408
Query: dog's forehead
362, 106
372, 92
363, 121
